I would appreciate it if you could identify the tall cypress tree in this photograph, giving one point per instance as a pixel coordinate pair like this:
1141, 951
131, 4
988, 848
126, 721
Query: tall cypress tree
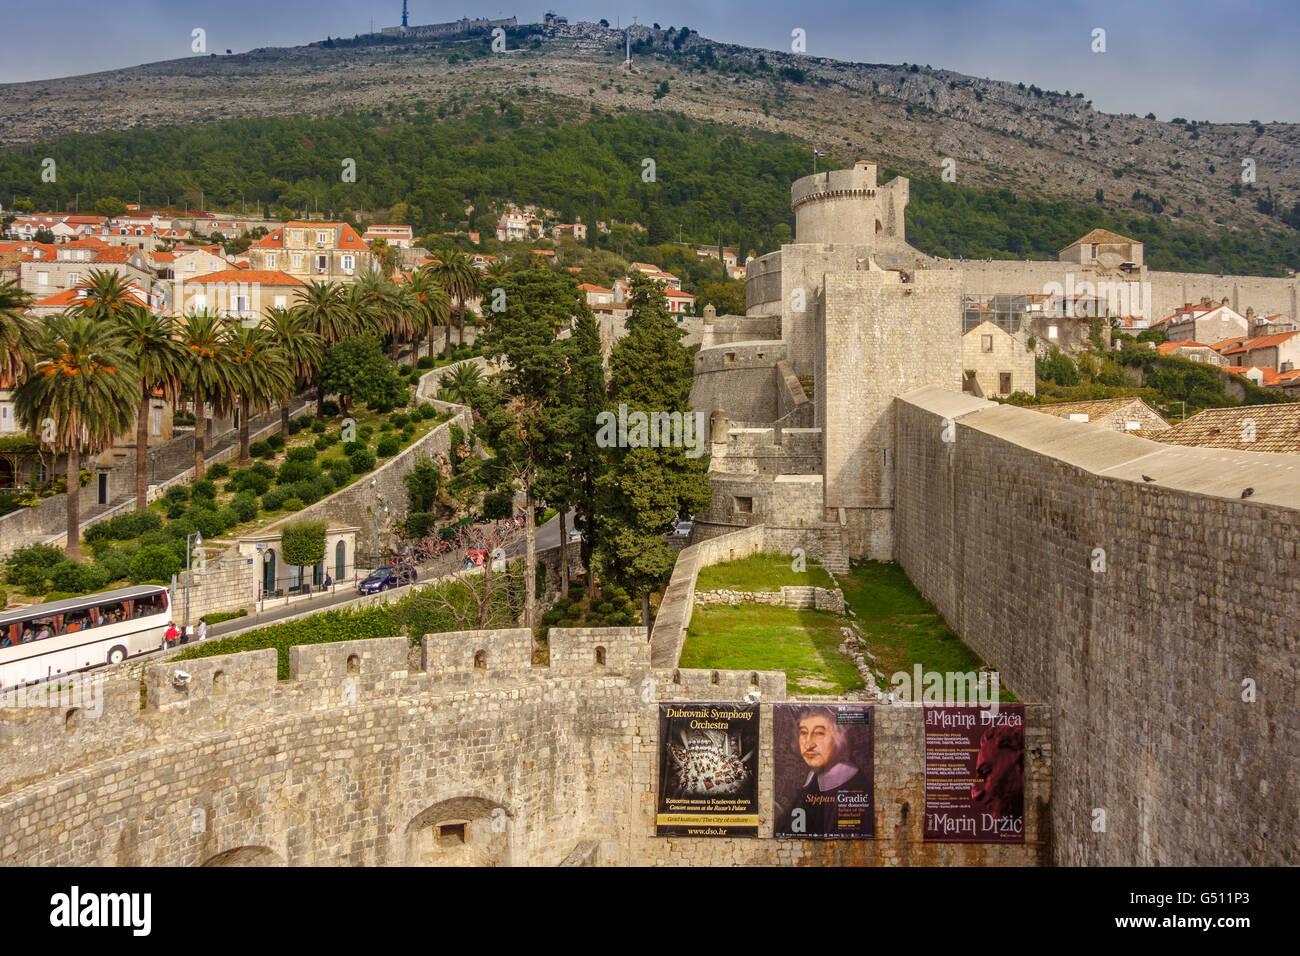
643, 489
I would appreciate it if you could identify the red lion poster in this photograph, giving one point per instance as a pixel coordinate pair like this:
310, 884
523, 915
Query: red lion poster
975, 774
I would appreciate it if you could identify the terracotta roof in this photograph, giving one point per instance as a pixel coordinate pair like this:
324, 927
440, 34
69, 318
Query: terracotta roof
1099, 236
1164, 348
1276, 429
260, 276
588, 287
114, 254
677, 294
1222, 344
1267, 375
163, 256
89, 242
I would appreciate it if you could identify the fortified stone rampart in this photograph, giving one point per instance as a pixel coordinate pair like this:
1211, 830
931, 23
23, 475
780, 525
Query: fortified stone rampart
1169, 661
739, 378
481, 758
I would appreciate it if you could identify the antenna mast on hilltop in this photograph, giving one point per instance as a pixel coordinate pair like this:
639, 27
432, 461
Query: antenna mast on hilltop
404, 13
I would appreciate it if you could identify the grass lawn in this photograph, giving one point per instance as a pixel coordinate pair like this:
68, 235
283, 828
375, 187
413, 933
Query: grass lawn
803, 643
761, 572
901, 627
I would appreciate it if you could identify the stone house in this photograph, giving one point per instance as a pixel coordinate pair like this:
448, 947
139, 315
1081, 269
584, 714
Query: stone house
996, 363
1279, 352
1102, 249
323, 251
240, 293
1192, 351
1203, 323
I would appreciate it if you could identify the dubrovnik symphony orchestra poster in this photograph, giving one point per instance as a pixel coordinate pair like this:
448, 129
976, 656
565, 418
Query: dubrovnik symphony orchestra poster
708, 769
975, 774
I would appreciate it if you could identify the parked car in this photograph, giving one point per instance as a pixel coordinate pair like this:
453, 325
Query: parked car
393, 576
682, 529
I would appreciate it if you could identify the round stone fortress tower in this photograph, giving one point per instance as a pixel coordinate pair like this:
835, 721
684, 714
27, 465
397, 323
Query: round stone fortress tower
846, 205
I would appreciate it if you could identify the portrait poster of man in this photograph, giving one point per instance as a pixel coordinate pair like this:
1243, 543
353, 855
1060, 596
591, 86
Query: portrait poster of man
975, 774
708, 769
823, 763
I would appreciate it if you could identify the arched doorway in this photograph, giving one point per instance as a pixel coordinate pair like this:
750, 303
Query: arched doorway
245, 856
340, 561
268, 571
462, 831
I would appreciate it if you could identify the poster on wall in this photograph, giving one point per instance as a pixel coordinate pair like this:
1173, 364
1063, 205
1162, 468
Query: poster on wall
708, 770
975, 774
823, 762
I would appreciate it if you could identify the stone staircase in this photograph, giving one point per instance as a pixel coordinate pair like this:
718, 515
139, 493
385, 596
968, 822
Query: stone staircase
835, 558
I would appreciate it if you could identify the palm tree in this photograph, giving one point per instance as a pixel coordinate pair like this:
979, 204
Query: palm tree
302, 350
81, 393
389, 305
429, 309
160, 361
209, 376
260, 374
459, 277
386, 254
462, 385
17, 332
321, 306
107, 296
363, 311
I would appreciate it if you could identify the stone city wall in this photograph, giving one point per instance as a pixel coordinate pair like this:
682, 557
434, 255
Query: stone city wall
1169, 661
481, 757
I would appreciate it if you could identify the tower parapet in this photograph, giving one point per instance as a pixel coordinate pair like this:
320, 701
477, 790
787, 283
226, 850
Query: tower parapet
846, 205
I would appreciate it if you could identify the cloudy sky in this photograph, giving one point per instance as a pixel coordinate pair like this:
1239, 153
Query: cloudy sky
1200, 59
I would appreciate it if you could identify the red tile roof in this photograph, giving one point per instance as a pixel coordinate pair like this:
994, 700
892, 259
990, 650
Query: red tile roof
260, 276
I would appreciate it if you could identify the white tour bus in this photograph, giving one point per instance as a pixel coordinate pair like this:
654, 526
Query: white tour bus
44, 640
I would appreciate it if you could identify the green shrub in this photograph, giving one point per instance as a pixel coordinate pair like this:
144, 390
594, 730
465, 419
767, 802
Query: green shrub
419, 524
264, 469
260, 449
339, 468
116, 562
219, 470
275, 440
207, 523
203, 488
330, 408
293, 504
217, 617
229, 517
365, 431
399, 419
177, 493
76, 577
273, 500
301, 453
303, 542
385, 427
361, 462
180, 528
318, 428
324, 441
32, 578
295, 426
425, 362
248, 480
349, 447
245, 505
203, 504
426, 411
388, 446
154, 564
294, 471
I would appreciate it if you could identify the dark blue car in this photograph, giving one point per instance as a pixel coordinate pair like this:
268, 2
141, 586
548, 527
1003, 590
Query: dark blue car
394, 576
